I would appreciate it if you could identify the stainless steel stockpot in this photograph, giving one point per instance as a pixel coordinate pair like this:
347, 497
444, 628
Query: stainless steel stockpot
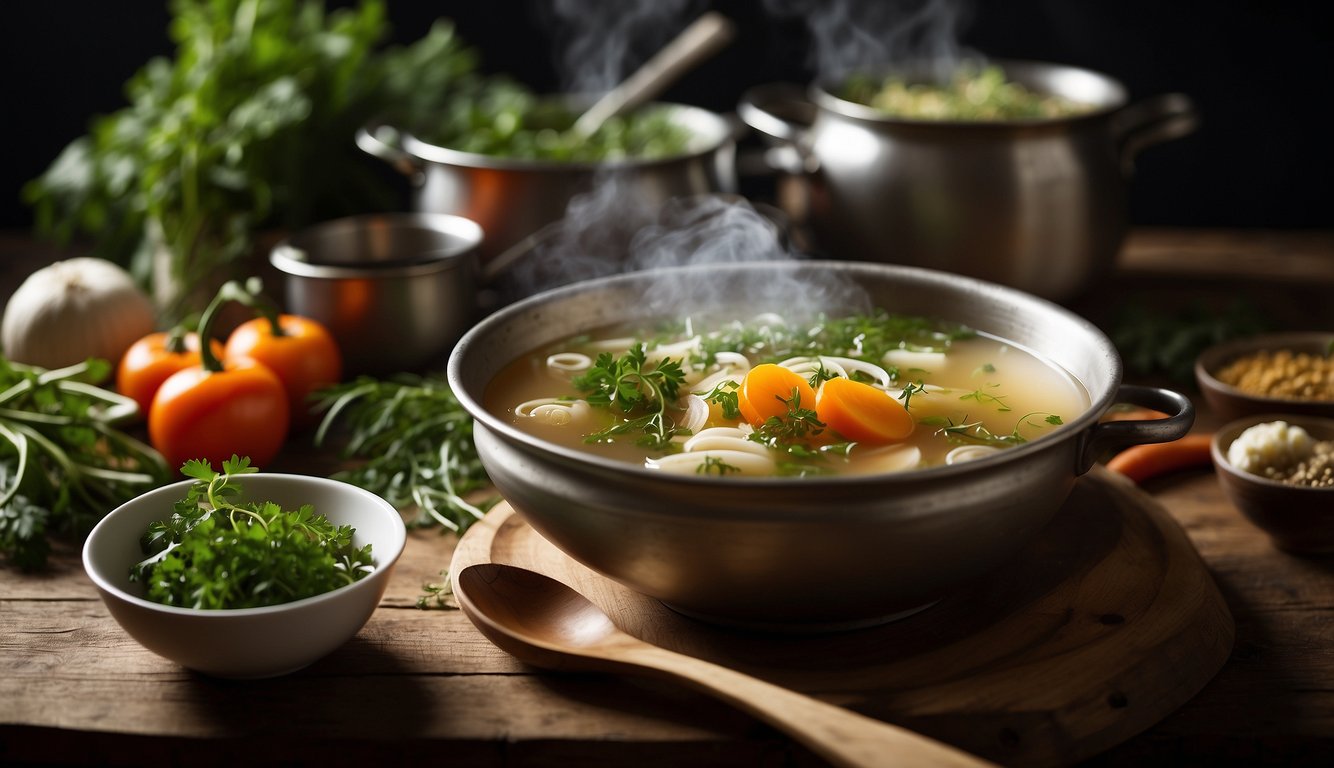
395, 290
512, 199
795, 553
1040, 205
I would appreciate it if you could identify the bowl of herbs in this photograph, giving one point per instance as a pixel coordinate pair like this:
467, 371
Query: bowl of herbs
237, 574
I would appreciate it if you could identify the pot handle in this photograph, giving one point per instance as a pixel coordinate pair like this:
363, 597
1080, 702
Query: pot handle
382, 141
1110, 436
783, 114
1153, 121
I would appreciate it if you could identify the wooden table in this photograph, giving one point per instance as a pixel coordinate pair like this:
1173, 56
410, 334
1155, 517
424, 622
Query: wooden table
424, 685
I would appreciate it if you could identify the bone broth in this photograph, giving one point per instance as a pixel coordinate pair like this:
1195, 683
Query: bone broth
864, 394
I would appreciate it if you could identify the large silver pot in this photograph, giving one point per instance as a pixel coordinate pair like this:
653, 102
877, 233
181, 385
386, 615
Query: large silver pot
514, 199
786, 552
1038, 205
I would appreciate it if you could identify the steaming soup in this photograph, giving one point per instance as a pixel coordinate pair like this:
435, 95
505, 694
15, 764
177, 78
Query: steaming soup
862, 394
971, 94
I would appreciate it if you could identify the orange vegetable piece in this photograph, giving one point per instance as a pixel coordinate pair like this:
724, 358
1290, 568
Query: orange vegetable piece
766, 389
861, 412
1142, 462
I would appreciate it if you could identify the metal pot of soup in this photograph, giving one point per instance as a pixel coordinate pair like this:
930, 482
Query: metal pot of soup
1031, 193
514, 192
736, 518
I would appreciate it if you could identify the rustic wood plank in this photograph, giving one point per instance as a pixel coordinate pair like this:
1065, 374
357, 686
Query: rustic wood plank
67, 674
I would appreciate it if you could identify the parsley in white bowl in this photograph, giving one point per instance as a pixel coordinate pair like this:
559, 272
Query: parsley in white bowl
243, 575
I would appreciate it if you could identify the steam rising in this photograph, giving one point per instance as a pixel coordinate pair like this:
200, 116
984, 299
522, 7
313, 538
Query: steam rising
599, 43
612, 230
873, 35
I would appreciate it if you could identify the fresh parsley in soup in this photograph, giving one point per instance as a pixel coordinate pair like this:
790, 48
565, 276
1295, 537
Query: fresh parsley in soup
862, 394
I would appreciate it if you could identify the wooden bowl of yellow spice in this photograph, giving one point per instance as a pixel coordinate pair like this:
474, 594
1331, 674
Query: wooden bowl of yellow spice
1277, 373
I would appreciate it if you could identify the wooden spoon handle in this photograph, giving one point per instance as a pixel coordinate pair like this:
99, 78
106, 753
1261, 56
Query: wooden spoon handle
706, 36
838, 735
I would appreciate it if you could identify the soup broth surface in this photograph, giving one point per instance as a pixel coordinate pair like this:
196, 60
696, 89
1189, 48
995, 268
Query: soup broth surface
915, 393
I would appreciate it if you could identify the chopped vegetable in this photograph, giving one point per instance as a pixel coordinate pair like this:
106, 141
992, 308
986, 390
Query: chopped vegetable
1144, 462
212, 553
635, 387
770, 392
416, 440
63, 462
861, 412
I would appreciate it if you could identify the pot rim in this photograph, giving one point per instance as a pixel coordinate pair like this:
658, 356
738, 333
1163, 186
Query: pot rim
717, 131
288, 254
1114, 96
1099, 401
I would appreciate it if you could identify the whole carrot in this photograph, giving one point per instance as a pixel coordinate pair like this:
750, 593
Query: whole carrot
1142, 462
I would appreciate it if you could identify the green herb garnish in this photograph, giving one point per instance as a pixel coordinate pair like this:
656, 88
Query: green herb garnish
63, 461
633, 386
214, 553
975, 433
416, 442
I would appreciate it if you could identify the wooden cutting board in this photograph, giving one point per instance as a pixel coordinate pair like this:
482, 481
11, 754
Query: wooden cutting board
1106, 623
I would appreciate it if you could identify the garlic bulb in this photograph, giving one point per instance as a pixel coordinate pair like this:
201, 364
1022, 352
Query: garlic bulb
72, 310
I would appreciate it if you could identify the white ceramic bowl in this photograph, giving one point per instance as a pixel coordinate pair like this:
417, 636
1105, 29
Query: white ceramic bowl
247, 642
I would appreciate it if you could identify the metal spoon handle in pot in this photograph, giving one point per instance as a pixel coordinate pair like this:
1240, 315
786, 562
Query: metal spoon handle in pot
546, 623
706, 36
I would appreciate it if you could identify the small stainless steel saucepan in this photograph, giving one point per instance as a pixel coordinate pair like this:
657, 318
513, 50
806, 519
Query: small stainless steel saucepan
395, 290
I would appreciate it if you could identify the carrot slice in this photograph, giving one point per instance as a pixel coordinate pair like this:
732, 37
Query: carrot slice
861, 412
766, 390
1142, 462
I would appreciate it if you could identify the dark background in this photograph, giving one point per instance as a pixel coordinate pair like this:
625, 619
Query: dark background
1260, 73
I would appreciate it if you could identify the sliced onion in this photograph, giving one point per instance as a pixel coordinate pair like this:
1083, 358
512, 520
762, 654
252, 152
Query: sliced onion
553, 411
571, 362
709, 383
696, 413
678, 350
726, 359
724, 442
907, 359
894, 458
613, 345
969, 453
690, 463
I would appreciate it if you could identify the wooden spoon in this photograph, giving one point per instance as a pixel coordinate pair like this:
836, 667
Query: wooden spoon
545, 623
706, 36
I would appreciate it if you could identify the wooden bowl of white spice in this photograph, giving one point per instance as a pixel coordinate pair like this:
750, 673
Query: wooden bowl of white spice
1290, 373
1278, 471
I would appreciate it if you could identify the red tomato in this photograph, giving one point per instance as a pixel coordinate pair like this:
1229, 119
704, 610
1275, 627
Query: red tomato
304, 356
210, 415
150, 360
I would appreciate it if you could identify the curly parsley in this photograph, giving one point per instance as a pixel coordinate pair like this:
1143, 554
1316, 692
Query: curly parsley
213, 553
